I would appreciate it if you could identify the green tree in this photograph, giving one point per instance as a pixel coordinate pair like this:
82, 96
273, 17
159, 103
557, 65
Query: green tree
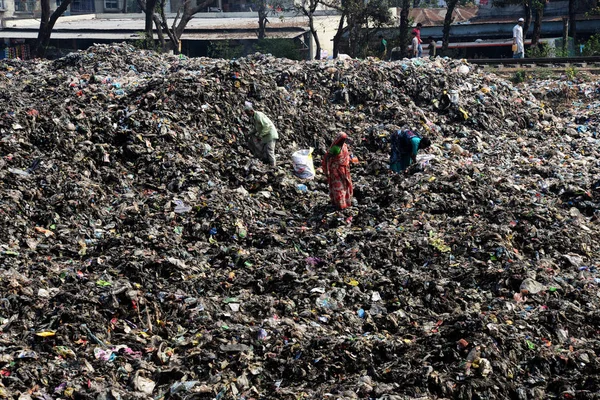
592, 46
355, 14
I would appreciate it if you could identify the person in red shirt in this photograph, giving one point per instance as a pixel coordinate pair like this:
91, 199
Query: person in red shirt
336, 167
417, 32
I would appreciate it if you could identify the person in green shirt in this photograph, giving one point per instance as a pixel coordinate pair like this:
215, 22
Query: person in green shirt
383, 48
404, 145
263, 135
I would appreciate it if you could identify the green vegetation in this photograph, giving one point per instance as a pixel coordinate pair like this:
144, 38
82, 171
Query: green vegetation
519, 77
146, 43
540, 51
571, 73
282, 48
592, 46
225, 49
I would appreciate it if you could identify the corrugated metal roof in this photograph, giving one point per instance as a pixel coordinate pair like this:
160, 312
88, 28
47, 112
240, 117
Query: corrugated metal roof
246, 35
241, 35
18, 34
435, 16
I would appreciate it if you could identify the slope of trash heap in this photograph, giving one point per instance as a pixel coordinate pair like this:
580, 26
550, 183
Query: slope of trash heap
145, 254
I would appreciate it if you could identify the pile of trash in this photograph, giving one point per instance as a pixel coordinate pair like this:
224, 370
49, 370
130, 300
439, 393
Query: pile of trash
577, 100
146, 254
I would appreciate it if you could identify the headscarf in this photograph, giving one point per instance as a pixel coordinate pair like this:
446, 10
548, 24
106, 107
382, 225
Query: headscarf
339, 139
248, 106
337, 155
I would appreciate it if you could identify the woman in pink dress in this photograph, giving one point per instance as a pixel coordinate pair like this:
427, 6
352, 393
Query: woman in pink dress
336, 166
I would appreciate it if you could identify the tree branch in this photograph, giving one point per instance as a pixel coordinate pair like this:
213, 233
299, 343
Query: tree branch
142, 4
59, 11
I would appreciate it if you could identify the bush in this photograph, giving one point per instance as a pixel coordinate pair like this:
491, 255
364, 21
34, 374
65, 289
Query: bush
571, 73
225, 49
282, 48
519, 77
540, 51
592, 46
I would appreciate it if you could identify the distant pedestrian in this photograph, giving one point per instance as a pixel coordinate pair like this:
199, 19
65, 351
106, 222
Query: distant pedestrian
432, 47
336, 167
420, 48
518, 45
415, 44
263, 135
383, 49
405, 145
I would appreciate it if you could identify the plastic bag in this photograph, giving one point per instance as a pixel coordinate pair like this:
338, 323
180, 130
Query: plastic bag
303, 164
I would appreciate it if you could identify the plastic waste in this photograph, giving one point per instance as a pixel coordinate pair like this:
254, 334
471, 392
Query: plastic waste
303, 164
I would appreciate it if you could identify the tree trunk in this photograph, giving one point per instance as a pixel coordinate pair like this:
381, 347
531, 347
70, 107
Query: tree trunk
262, 19
527, 23
159, 33
148, 7
47, 22
447, 22
315, 35
175, 31
352, 28
573, 20
148, 27
338, 35
537, 24
404, 35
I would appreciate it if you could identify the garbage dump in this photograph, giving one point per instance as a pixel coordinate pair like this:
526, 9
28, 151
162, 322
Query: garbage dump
145, 253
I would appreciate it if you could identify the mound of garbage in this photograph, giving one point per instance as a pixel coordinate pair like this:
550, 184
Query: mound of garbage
146, 254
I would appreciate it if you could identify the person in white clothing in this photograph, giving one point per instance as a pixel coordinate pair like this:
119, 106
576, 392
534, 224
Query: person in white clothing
415, 44
519, 52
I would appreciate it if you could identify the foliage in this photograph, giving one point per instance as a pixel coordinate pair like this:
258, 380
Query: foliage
592, 46
144, 43
593, 11
283, 48
571, 73
378, 12
542, 50
519, 77
225, 49
561, 52
374, 14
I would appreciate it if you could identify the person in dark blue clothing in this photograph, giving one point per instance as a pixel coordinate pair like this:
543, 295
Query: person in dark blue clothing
405, 145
